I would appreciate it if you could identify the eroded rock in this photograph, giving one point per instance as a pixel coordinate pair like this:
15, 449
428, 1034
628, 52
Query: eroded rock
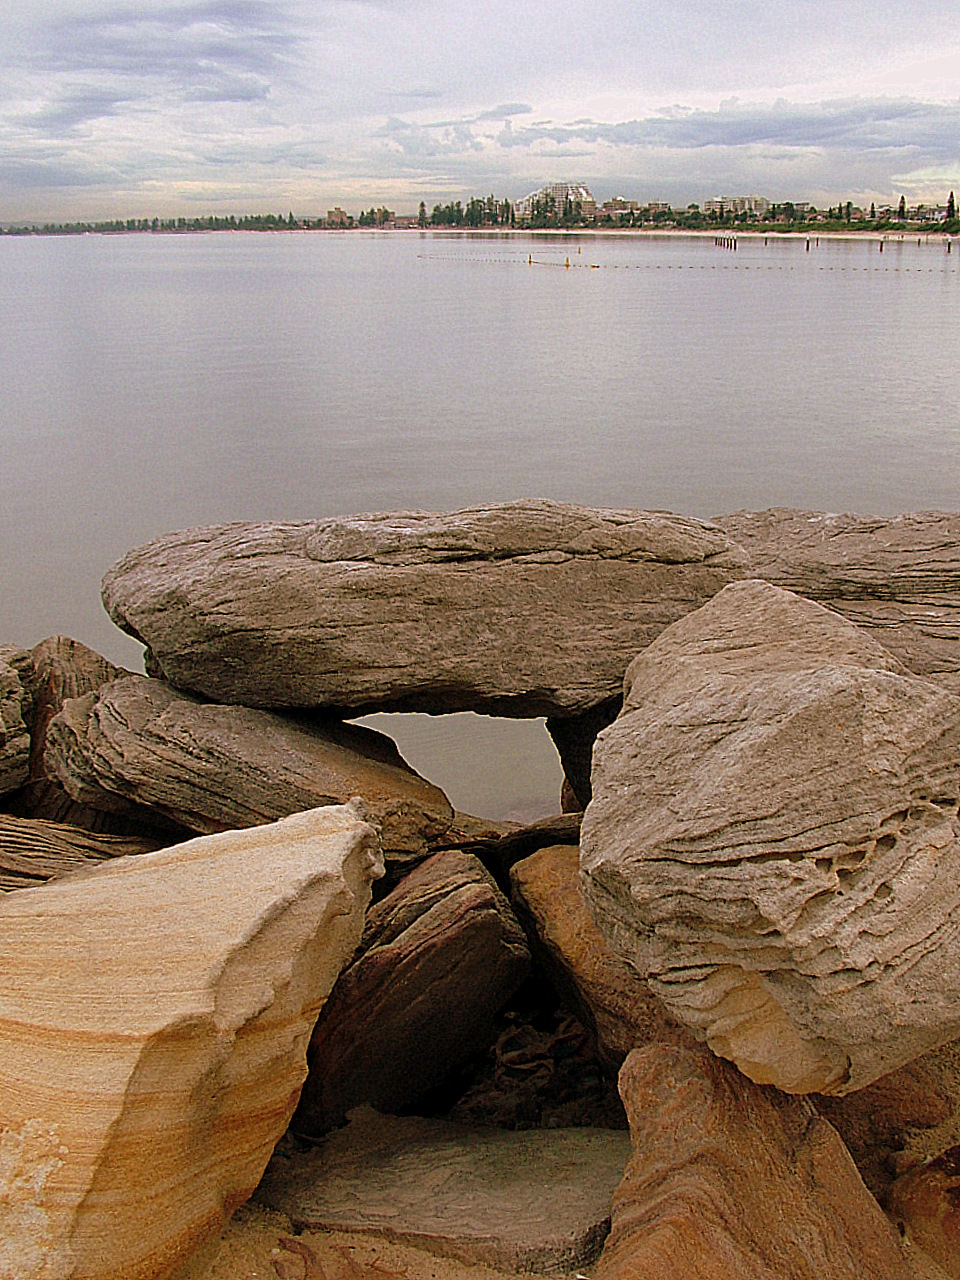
439, 957
732, 1181
773, 841
154, 1017
213, 768
14, 715
897, 578
413, 611
926, 1204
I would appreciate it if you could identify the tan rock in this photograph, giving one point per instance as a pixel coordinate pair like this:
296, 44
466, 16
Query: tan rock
732, 1181
926, 1204
33, 850
609, 995
212, 768
773, 841
440, 955
898, 579
154, 1017
415, 611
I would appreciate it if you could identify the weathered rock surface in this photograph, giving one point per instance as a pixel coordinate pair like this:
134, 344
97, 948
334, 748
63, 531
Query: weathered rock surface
439, 957
33, 850
14, 733
60, 668
732, 1181
878, 1122
213, 768
154, 1017
532, 1201
414, 611
897, 578
609, 995
773, 841
926, 1204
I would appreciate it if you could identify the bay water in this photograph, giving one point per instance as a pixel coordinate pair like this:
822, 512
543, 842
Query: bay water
149, 383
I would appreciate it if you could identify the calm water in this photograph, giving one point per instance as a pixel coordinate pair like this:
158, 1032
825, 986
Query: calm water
152, 383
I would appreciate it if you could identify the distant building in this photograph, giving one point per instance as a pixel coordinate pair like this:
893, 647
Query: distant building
737, 204
555, 195
337, 218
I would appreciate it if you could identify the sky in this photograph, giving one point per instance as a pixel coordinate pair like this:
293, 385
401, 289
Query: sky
188, 107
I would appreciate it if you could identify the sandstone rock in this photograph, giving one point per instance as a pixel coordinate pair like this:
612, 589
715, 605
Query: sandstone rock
773, 841
897, 578
33, 850
731, 1181
926, 1204
414, 611
60, 668
14, 734
211, 768
877, 1123
154, 1016
533, 1201
609, 995
439, 956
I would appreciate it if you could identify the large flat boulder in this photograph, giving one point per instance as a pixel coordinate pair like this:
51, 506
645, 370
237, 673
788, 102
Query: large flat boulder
773, 841
439, 957
154, 1018
532, 1201
732, 1181
138, 742
897, 578
523, 609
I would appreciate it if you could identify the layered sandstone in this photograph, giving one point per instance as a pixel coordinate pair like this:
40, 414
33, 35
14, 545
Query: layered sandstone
137, 742
414, 611
439, 957
732, 1181
773, 841
154, 1017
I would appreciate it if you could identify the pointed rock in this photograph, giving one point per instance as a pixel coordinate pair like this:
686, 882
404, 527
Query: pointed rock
154, 1017
440, 955
14, 716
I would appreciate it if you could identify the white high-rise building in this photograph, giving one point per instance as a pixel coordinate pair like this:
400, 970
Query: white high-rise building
561, 192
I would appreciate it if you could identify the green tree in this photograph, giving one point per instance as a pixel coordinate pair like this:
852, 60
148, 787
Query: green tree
951, 207
422, 215
902, 208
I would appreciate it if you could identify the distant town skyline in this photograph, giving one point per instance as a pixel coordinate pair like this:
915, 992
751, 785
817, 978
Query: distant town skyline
167, 107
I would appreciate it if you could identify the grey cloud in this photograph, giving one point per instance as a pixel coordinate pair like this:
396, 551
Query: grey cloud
875, 125
505, 111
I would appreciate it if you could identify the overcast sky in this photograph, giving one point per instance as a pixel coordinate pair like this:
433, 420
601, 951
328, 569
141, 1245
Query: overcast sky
163, 107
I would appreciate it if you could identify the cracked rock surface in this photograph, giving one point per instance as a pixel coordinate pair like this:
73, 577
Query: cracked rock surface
773, 841
415, 611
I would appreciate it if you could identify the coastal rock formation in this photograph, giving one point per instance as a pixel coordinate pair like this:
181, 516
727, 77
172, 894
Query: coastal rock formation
440, 955
33, 850
414, 611
154, 1017
532, 1201
608, 994
897, 578
731, 1181
211, 768
773, 841
14, 713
